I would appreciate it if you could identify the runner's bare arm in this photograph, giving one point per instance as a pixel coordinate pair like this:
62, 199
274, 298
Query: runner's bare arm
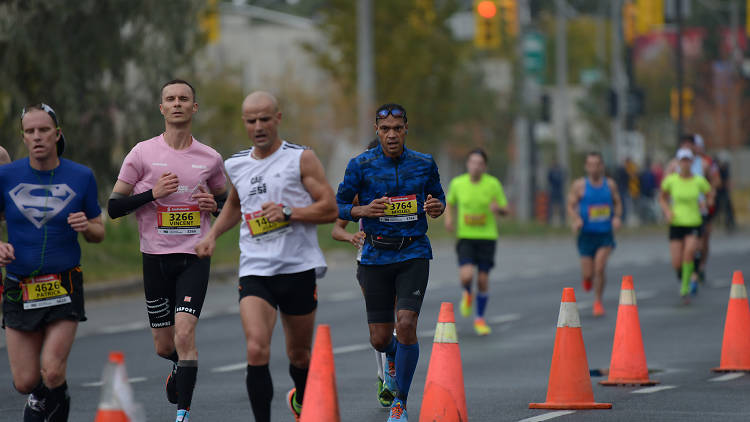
229, 217
7, 254
664, 203
450, 212
92, 229
323, 209
4, 157
573, 197
617, 201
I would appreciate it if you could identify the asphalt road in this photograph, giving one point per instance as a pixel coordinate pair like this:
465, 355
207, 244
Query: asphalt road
503, 372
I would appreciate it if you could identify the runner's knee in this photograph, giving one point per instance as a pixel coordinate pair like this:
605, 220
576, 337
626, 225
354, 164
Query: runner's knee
53, 374
299, 357
258, 353
25, 383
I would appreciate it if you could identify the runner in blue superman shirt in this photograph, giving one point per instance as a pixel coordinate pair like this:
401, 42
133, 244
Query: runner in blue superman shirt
47, 201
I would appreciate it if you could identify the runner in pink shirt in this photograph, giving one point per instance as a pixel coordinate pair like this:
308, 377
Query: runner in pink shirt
173, 182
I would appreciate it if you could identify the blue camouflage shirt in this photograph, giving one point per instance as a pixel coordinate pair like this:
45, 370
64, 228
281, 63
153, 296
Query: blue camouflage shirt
407, 180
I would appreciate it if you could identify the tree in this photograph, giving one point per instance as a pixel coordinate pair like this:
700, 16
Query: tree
418, 64
100, 64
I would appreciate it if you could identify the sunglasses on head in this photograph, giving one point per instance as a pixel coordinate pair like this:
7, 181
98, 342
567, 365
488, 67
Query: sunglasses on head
395, 112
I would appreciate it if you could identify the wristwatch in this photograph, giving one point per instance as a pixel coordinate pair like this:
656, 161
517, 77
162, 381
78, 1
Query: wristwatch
287, 211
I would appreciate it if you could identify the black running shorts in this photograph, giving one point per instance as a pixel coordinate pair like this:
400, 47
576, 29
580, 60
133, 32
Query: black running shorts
406, 282
15, 316
679, 232
174, 283
479, 252
292, 294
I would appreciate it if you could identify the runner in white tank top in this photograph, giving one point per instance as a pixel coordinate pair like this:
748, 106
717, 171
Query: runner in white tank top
279, 192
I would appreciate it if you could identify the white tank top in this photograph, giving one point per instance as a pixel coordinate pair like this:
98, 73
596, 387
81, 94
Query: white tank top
274, 248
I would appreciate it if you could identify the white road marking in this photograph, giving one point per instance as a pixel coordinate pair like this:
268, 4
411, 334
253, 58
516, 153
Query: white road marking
122, 328
728, 377
230, 368
548, 416
649, 390
351, 348
342, 296
499, 319
100, 383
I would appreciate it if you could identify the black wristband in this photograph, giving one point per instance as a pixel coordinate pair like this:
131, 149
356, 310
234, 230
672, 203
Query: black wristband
220, 200
117, 207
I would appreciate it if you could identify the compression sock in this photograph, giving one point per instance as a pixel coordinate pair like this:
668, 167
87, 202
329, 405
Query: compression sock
173, 357
58, 404
390, 349
299, 376
482, 298
687, 271
678, 271
38, 396
407, 356
187, 372
379, 361
260, 391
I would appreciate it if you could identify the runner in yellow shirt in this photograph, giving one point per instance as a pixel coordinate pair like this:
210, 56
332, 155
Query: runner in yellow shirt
680, 200
474, 198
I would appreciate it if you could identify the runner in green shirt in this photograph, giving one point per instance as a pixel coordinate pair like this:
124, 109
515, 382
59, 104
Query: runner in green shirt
680, 200
474, 198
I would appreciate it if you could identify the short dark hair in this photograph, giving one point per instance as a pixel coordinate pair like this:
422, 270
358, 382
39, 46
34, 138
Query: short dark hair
688, 137
389, 107
175, 82
596, 154
480, 152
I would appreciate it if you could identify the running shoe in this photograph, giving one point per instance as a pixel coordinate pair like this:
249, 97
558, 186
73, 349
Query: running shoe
34, 409
385, 396
291, 401
389, 375
183, 415
598, 309
587, 284
172, 385
398, 411
481, 327
466, 306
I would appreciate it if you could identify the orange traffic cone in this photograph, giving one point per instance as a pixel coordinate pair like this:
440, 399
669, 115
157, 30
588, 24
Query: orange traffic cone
569, 380
735, 349
444, 399
321, 402
628, 364
116, 403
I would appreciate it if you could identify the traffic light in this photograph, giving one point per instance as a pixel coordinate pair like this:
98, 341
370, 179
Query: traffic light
509, 17
208, 21
487, 24
649, 15
629, 22
687, 103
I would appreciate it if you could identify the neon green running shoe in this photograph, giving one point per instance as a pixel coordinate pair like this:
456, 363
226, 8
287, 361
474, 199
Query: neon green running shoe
385, 396
291, 401
466, 306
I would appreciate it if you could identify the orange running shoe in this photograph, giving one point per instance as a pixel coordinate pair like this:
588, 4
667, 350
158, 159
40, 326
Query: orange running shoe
598, 308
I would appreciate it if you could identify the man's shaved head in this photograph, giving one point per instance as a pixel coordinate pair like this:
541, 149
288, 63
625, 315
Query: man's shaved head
260, 99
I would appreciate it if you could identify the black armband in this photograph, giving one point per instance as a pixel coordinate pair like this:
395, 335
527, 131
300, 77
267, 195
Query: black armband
220, 200
123, 205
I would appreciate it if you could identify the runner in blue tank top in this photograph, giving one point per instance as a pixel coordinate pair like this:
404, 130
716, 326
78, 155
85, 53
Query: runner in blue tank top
594, 208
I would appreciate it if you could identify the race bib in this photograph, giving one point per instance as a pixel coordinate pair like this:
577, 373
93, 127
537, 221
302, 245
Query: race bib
263, 230
178, 220
43, 291
475, 219
599, 213
400, 209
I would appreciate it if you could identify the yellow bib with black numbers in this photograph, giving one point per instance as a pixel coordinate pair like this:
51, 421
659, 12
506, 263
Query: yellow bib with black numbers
599, 212
475, 219
262, 230
178, 220
43, 291
400, 209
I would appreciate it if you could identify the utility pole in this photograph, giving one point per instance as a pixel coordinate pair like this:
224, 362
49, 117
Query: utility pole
522, 125
618, 78
561, 79
680, 75
365, 72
